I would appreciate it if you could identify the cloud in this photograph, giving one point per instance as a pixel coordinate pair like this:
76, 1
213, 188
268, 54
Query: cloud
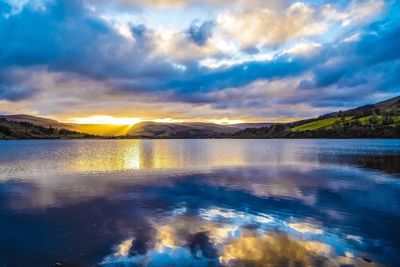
16, 92
200, 32
15, 86
266, 26
167, 3
357, 12
338, 73
350, 60
67, 37
306, 49
239, 75
247, 60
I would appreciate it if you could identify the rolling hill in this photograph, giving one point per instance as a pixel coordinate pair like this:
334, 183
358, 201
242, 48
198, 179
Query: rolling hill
380, 120
145, 129
35, 120
187, 130
149, 129
26, 130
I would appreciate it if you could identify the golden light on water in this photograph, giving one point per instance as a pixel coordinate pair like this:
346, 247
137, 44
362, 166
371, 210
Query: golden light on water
130, 155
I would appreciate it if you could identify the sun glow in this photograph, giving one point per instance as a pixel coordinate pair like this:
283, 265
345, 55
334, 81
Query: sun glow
110, 120
226, 121
107, 120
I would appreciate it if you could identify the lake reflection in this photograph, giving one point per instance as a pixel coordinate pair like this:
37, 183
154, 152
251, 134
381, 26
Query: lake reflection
200, 203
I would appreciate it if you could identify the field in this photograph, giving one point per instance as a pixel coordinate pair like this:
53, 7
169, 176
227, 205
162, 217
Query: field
327, 124
319, 124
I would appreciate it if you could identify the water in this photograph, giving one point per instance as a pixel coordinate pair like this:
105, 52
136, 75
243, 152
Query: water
200, 203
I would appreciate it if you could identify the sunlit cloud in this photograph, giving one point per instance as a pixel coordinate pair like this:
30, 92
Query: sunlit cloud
107, 120
265, 26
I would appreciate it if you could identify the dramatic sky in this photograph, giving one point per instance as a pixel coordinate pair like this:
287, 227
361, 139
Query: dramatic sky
217, 60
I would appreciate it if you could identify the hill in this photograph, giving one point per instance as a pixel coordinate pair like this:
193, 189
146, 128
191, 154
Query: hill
35, 120
146, 129
181, 130
26, 130
188, 130
380, 120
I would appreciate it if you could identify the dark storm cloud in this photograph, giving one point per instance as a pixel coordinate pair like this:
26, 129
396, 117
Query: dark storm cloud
16, 92
13, 86
378, 45
66, 37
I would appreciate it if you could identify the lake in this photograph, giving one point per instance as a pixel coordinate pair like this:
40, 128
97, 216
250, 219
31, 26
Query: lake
200, 203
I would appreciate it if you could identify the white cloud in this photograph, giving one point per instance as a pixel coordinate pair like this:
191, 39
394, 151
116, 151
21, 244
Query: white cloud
357, 12
268, 26
306, 49
240, 58
124, 30
353, 38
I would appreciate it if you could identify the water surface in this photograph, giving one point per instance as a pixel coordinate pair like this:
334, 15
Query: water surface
200, 203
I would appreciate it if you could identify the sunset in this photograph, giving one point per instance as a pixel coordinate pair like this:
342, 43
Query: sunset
185, 133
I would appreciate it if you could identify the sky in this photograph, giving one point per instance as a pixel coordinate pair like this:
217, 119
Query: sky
212, 60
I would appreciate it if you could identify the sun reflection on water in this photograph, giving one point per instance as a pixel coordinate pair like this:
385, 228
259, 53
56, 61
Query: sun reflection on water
133, 155
27, 158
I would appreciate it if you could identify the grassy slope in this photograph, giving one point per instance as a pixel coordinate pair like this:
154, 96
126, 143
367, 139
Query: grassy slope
319, 124
23, 130
327, 124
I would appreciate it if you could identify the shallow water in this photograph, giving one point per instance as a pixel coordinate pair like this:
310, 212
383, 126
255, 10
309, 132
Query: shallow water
200, 203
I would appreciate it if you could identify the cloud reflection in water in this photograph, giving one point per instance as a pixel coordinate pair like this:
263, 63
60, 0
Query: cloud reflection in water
228, 238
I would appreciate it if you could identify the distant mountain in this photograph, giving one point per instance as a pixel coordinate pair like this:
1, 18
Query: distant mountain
380, 120
243, 126
156, 129
149, 129
187, 130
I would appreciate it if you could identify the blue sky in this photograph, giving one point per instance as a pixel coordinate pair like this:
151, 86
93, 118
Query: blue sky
245, 60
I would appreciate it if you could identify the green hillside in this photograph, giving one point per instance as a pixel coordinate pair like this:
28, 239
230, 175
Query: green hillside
26, 130
319, 124
380, 120
373, 121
